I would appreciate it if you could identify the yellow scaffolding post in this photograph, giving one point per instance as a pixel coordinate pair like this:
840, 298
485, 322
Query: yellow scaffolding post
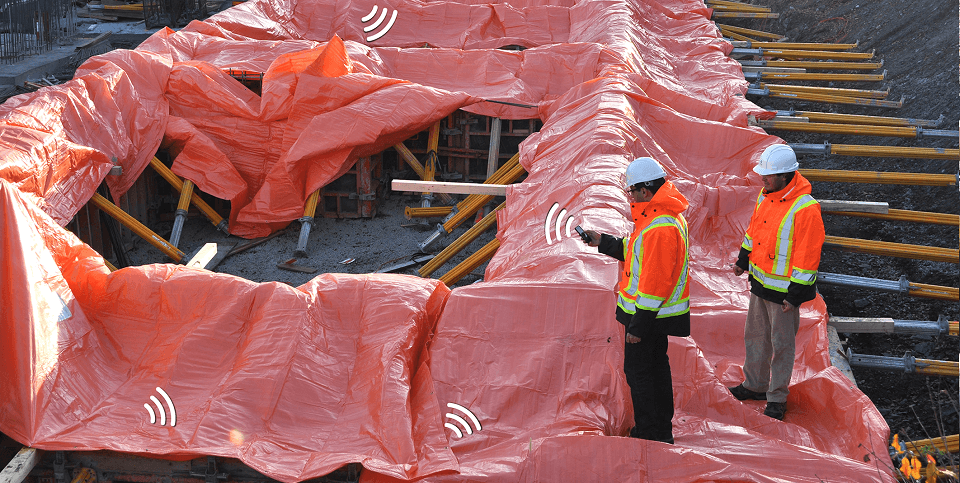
830, 91
820, 76
825, 128
859, 101
461, 242
735, 6
826, 47
815, 54
719, 14
937, 292
912, 179
201, 205
471, 263
894, 152
949, 444
429, 212
838, 118
417, 167
727, 29
890, 249
180, 216
825, 64
905, 215
139, 228
306, 223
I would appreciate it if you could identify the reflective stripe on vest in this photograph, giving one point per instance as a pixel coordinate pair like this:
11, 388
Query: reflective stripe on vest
779, 280
629, 298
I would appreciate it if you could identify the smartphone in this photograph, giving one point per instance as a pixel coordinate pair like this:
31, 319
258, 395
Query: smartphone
583, 234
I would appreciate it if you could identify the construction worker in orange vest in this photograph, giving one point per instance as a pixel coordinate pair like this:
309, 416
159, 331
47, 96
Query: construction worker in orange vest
781, 251
653, 297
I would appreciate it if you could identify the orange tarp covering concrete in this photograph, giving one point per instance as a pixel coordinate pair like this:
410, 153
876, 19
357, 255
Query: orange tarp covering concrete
298, 381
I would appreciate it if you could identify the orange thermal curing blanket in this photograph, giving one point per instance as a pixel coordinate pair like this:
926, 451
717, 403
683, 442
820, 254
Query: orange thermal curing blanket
517, 378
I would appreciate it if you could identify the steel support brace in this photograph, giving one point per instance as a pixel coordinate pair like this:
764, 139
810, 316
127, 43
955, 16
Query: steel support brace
906, 364
921, 327
811, 148
901, 286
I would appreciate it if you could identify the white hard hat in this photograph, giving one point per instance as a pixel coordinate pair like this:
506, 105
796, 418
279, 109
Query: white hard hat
776, 159
642, 170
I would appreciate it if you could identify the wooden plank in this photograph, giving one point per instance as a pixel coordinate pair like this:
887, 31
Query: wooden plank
448, 187
19, 467
855, 206
862, 325
210, 255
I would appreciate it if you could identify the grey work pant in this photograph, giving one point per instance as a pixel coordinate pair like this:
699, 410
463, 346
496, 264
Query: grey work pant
770, 340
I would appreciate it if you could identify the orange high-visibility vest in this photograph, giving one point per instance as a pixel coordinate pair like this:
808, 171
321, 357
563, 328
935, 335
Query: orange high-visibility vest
785, 237
655, 274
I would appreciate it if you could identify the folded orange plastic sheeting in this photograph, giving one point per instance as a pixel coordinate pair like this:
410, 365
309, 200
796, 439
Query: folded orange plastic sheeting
296, 382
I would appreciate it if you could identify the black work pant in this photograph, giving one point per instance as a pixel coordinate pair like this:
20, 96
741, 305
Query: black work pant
647, 368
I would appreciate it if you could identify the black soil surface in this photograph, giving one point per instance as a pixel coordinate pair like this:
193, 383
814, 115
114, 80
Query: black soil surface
918, 43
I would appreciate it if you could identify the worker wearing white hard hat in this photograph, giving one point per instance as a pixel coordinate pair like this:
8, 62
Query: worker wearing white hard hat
781, 251
653, 297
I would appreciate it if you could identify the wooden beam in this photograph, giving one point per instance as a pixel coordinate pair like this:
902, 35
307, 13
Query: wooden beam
19, 467
881, 207
448, 187
862, 325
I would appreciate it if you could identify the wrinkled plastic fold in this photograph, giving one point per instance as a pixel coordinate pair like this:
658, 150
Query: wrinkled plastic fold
517, 378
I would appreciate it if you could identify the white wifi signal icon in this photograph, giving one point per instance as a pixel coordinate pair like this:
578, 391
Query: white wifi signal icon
553, 226
374, 25
163, 414
459, 419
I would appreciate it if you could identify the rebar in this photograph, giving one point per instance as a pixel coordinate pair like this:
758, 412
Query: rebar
890, 249
33, 26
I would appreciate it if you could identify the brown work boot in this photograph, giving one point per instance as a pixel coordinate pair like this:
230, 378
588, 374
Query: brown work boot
743, 393
776, 410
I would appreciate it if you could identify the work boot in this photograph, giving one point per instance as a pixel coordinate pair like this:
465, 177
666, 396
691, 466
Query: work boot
775, 410
743, 393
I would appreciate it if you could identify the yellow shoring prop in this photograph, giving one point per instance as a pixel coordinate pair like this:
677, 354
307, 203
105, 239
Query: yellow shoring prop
475, 202
951, 445
138, 228
745, 31
816, 54
894, 151
718, 14
837, 118
735, 7
109, 265
427, 212
931, 367
821, 76
859, 101
461, 242
802, 46
830, 91
201, 205
905, 215
890, 249
827, 128
417, 167
471, 263
825, 64
736, 36
180, 216
954, 328
937, 292
430, 164
877, 177
306, 223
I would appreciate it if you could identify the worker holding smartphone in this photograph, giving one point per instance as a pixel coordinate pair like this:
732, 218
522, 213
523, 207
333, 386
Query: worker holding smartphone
653, 296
